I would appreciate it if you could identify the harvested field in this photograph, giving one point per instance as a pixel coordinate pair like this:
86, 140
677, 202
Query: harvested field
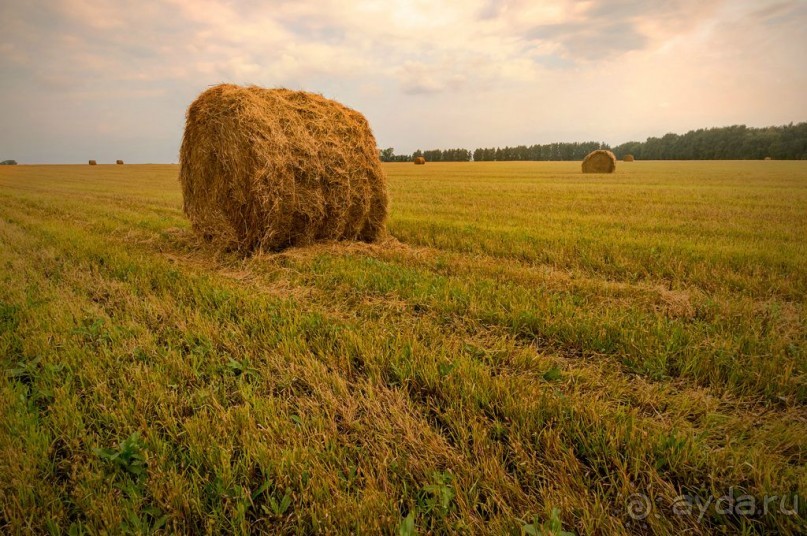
529, 344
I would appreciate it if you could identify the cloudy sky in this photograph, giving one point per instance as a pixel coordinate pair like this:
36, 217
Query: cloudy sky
108, 79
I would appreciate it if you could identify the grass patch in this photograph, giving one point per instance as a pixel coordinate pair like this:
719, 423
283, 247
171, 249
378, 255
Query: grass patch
531, 352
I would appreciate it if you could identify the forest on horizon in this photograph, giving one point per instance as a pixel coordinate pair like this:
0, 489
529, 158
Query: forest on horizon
737, 142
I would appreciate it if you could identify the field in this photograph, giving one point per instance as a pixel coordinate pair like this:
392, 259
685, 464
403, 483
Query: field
532, 348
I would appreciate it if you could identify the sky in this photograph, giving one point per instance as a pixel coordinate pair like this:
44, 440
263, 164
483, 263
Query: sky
104, 79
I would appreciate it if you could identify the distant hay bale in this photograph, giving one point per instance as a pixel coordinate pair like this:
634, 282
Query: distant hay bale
767, 158
270, 168
420, 161
628, 158
599, 161
119, 162
93, 163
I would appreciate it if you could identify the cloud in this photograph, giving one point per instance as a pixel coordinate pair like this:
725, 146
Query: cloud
421, 78
589, 41
514, 70
13, 54
778, 12
98, 14
598, 30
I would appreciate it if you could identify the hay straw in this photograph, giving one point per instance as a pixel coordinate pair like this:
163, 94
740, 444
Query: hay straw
119, 162
420, 161
599, 161
628, 158
269, 168
93, 163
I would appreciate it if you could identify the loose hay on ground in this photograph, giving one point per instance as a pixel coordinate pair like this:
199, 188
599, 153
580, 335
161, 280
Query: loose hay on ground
269, 168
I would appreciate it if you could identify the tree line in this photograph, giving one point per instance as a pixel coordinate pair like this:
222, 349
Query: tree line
549, 151
737, 142
432, 155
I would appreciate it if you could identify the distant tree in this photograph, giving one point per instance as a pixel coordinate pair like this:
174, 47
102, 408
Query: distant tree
433, 155
734, 142
387, 154
631, 147
552, 151
445, 155
453, 155
8, 163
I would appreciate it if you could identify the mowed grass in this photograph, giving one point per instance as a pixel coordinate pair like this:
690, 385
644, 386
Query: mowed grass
530, 349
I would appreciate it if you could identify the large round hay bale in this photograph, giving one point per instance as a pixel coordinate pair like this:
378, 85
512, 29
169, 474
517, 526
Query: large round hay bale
599, 161
93, 163
419, 161
119, 162
269, 168
628, 158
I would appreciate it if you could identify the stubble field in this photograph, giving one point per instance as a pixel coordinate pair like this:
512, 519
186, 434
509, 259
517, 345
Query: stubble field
531, 348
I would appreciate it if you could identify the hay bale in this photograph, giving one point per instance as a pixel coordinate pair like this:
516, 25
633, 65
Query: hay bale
270, 168
767, 158
419, 161
599, 161
628, 158
119, 162
93, 163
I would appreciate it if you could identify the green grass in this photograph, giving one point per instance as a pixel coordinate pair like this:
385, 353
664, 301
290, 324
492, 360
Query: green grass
531, 349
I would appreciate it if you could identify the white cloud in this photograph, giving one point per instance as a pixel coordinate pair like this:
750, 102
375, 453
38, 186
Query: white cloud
480, 72
97, 14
